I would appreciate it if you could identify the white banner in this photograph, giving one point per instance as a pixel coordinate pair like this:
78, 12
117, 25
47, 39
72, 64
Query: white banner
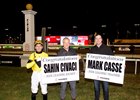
105, 68
60, 69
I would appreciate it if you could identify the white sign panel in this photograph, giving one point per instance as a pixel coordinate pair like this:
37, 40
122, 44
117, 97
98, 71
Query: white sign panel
60, 69
105, 68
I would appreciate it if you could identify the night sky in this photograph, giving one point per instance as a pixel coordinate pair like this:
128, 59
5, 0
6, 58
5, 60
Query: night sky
61, 16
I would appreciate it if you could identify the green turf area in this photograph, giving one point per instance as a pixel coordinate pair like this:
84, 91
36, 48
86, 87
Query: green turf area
15, 85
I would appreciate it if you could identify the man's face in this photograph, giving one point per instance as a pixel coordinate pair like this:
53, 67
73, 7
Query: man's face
98, 40
38, 47
66, 43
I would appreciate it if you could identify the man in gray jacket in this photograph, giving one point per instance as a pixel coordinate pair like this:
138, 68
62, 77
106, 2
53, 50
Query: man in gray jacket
67, 51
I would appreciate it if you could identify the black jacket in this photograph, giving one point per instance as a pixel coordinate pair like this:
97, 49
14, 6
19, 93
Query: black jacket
103, 49
63, 52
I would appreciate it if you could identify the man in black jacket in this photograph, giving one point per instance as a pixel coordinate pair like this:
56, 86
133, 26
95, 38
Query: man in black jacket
67, 51
101, 48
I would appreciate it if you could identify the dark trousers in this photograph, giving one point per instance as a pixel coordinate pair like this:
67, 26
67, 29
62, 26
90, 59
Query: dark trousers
72, 87
105, 86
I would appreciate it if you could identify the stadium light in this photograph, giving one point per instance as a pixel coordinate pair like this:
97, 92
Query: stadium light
74, 26
6, 29
136, 24
103, 25
49, 27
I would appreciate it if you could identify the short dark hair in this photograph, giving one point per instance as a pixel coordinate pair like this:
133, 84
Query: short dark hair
101, 37
66, 38
99, 34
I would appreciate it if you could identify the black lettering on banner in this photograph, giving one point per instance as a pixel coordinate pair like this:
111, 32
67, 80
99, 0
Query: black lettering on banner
49, 68
120, 67
116, 68
91, 64
105, 66
45, 68
112, 67
62, 67
95, 64
70, 66
109, 66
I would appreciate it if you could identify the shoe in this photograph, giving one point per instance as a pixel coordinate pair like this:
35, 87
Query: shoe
45, 96
33, 97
